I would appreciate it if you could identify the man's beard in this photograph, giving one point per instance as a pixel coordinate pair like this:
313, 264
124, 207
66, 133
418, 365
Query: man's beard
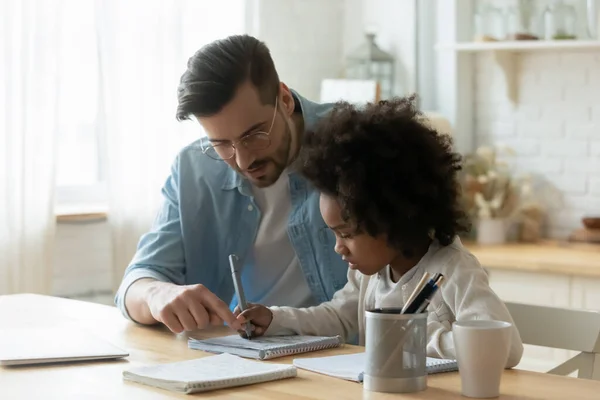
280, 160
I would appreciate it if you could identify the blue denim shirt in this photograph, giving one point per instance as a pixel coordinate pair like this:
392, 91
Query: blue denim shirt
209, 212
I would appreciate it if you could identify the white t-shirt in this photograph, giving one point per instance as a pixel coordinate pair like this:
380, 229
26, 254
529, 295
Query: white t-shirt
275, 276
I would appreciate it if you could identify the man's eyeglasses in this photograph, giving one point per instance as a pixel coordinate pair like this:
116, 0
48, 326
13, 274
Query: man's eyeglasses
258, 140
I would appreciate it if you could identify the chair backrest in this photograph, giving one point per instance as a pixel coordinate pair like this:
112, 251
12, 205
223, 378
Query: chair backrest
560, 328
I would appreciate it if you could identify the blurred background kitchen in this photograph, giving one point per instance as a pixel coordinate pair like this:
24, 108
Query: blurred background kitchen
89, 132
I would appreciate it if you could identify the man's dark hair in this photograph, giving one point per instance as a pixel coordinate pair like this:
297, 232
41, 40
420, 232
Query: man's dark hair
391, 173
217, 70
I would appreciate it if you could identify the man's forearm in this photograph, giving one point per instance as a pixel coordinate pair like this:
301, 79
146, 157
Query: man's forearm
136, 300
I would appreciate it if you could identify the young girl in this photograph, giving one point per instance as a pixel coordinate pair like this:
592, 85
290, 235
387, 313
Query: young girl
389, 192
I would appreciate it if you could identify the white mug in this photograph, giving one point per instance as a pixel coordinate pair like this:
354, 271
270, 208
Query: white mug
482, 349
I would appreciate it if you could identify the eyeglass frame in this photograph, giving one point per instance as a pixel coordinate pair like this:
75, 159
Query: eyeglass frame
232, 144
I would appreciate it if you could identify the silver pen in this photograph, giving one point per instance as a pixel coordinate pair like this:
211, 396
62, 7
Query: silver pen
239, 290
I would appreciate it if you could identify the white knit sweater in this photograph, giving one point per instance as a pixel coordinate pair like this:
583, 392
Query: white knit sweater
465, 295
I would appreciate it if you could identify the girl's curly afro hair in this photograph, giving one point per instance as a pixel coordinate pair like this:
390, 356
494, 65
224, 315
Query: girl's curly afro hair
391, 173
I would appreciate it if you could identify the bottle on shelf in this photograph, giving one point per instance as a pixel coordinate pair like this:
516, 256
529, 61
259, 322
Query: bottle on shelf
489, 23
559, 21
519, 18
593, 19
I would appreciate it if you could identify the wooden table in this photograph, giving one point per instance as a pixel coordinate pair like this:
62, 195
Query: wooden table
572, 259
147, 345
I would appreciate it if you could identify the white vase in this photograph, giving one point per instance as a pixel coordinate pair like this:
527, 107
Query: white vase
491, 231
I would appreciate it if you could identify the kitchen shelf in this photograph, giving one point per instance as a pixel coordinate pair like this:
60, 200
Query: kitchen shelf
504, 54
521, 45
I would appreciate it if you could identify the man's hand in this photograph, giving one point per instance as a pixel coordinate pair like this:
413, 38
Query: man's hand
187, 307
259, 316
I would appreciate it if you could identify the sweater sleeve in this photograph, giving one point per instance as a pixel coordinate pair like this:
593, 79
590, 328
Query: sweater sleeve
336, 317
469, 297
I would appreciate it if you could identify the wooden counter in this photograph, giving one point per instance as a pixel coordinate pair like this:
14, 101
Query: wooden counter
573, 259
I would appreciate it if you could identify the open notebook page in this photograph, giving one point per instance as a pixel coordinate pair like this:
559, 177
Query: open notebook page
351, 366
348, 366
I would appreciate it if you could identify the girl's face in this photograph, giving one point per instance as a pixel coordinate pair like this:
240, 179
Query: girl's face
365, 253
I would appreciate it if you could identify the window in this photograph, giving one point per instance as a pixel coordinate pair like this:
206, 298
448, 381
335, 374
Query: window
81, 174
80, 170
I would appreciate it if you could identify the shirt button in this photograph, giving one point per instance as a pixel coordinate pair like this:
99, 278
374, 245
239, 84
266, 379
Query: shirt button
250, 208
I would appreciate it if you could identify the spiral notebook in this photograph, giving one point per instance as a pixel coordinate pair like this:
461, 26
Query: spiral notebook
351, 366
265, 347
208, 373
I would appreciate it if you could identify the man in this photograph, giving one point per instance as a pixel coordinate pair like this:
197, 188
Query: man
235, 191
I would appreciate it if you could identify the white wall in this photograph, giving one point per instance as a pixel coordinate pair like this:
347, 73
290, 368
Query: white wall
305, 39
555, 127
310, 38
83, 261
393, 22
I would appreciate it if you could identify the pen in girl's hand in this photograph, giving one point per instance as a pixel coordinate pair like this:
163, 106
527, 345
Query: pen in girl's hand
239, 290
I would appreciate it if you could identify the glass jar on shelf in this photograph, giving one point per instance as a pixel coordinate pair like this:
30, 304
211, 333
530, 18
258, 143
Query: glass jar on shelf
519, 20
559, 21
489, 23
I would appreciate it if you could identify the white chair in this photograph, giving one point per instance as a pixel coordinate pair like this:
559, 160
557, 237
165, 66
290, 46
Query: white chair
562, 328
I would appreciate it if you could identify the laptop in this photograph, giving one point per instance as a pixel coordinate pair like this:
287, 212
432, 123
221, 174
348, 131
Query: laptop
32, 345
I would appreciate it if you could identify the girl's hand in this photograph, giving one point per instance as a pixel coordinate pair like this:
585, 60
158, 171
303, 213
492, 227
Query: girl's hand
257, 315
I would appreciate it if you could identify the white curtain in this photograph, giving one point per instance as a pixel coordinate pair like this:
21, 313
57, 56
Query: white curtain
29, 44
143, 49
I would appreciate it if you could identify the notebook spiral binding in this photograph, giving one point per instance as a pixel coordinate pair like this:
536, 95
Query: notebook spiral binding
247, 380
441, 366
294, 349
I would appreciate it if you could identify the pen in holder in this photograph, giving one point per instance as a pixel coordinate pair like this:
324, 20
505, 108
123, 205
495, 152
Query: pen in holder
417, 303
396, 351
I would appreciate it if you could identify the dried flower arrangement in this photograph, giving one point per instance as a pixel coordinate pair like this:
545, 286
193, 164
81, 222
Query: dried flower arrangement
488, 185
492, 191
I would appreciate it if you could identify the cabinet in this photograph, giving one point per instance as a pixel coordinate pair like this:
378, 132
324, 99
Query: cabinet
537, 289
585, 293
548, 274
